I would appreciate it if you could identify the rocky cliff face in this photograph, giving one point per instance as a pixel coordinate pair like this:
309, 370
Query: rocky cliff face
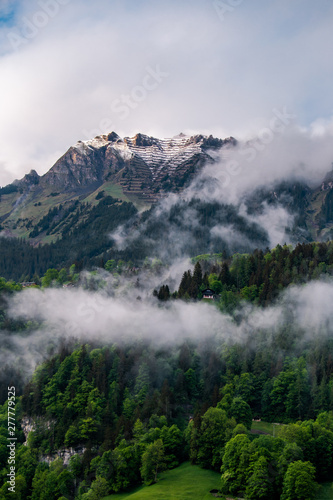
30, 179
142, 165
140, 169
29, 425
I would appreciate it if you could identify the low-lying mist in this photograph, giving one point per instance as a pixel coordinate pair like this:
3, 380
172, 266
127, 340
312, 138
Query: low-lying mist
95, 317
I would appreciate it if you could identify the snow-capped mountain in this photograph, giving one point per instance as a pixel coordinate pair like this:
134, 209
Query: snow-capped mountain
140, 169
141, 165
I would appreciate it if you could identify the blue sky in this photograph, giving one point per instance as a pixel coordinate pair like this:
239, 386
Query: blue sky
8, 10
68, 66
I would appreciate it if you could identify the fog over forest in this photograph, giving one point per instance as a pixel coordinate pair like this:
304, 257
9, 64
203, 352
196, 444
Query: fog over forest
125, 309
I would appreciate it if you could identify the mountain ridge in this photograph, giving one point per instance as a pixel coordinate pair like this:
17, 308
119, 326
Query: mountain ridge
162, 156
141, 169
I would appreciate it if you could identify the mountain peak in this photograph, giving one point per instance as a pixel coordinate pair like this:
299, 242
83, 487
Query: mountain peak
141, 140
29, 179
113, 137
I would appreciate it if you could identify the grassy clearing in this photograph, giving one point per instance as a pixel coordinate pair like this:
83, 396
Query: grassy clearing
115, 190
110, 189
187, 482
265, 427
190, 482
325, 492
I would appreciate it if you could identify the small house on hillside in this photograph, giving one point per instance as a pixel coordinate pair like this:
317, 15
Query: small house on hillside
208, 294
26, 284
68, 285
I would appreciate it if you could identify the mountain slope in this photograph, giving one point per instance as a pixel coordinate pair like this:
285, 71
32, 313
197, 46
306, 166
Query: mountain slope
99, 185
140, 164
141, 169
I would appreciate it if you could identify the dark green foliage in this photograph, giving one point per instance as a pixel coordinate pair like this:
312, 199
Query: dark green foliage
82, 242
327, 208
11, 188
185, 285
163, 293
259, 484
54, 219
197, 281
235, 462
240, 410
225, 277
100, 195
153, 461
260, 276
299, 482
117, 399
266, 468
214, 431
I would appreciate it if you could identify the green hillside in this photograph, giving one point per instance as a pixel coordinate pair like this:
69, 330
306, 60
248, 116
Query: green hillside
21, 213
187, 482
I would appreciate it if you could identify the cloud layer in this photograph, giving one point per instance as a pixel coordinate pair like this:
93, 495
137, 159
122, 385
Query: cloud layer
98, 318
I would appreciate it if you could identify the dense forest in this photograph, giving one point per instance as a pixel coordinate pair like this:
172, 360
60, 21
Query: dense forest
104, 417
129, 411
84, 243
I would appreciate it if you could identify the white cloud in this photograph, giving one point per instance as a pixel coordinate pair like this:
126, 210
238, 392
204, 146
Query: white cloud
96, 317
224, 77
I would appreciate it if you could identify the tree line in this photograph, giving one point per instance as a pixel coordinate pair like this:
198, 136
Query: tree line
258, 277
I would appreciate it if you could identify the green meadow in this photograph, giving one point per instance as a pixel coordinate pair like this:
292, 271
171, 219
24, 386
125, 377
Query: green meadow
187, 482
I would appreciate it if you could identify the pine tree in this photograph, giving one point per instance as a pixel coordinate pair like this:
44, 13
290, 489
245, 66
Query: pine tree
164, 293
196, 281
225, 276
185, 284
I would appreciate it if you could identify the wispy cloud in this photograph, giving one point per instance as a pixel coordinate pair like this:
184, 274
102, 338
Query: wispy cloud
98, 318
